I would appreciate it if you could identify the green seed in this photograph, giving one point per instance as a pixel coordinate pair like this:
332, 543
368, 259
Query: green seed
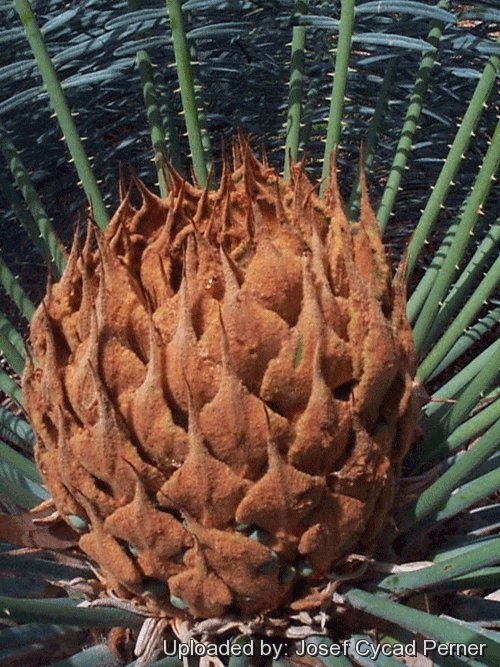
156, 588
179, 557
305, 569
132, 550
241, 527
287, 575
299, 351
78, 523
259, 535
269, 566
178, 602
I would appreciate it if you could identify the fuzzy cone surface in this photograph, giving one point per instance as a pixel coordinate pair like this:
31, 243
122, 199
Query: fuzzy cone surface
222, 393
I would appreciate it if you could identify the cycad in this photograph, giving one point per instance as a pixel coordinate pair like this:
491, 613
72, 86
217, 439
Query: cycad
271, 453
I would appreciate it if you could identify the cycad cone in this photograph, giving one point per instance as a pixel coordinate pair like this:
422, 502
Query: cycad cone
223, 392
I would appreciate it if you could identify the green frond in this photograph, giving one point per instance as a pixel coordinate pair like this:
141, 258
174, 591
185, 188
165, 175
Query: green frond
186, 82
436, 200
337, 100
64, 116
37, 225
295, 93
410, 125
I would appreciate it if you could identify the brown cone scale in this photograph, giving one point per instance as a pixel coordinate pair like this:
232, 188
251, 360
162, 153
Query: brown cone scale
222, 391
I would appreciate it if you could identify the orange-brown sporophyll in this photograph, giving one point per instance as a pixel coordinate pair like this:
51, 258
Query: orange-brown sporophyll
222, 392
